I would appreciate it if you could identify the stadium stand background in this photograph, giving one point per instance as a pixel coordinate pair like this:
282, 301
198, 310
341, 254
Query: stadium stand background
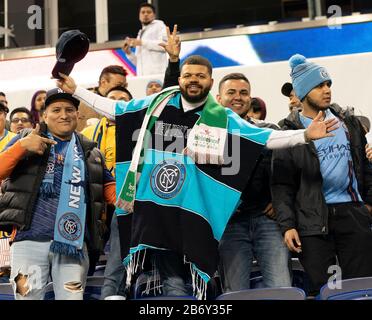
254, 37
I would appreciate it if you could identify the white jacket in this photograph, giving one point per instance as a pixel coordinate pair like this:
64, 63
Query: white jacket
150, 58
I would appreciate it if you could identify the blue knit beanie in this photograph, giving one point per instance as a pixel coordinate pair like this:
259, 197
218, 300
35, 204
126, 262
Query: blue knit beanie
306, 75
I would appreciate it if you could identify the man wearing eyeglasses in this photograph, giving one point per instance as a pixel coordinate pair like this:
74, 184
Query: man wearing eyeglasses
5, 135
20, 118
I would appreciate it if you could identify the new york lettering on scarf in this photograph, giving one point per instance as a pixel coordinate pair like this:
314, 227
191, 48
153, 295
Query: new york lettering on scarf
71, 213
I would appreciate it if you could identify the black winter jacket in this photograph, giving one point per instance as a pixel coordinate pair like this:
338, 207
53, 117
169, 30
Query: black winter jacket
296, 186
257, 194
21, 191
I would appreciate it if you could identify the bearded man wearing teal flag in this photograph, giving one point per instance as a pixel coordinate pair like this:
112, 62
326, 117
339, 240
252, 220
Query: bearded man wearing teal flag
182, 163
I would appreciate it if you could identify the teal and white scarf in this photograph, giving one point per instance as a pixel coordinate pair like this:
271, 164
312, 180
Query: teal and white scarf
69, 226
205, 144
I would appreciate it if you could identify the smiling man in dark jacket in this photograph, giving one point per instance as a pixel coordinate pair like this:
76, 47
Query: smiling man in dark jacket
322, 191
53, 199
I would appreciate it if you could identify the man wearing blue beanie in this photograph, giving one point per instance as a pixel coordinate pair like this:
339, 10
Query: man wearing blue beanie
322, 191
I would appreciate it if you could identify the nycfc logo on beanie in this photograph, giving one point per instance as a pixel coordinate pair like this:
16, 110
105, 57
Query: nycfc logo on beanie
306, 75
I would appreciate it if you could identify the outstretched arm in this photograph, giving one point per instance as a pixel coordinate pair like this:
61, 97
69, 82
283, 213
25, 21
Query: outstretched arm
103, 106
318, 129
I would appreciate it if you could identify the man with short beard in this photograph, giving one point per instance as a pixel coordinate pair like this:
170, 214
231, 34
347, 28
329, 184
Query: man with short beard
57, 196
178, 184
149, 58
322, 191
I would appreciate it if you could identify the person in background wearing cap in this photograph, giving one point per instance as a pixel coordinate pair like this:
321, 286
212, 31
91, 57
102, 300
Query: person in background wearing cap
20, 118
153, 86
149, 58
53, 201
294, 102
252, 233
5, 135
322, 191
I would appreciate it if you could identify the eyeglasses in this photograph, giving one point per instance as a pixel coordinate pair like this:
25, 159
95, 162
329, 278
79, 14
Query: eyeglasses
23, 120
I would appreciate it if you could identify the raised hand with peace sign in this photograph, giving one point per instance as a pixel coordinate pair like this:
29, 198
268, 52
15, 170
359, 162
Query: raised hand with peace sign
173, 44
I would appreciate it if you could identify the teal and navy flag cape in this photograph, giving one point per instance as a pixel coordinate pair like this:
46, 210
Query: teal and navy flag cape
179, 205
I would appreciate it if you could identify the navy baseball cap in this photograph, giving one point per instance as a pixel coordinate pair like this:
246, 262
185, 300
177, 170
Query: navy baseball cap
287, 89
58, 94
71, 47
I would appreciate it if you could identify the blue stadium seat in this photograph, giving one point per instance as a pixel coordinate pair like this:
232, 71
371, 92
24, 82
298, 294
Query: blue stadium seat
299, 277
283, 293
6, 291
349, 289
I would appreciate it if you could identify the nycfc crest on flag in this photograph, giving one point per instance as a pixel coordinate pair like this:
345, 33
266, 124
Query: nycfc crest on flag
167, 178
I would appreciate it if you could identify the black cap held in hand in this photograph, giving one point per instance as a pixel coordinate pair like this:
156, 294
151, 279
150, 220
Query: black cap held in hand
72, 46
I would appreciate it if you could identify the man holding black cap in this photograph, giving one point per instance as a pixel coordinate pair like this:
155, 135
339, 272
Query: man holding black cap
54, 203
322, 191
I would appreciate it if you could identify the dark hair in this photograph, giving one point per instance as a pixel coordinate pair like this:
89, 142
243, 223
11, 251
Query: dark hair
197, 60
115, 69
120, 88
35, 113
2, 94
233, 76
146, 4
24, 110
258, 105
4, 107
